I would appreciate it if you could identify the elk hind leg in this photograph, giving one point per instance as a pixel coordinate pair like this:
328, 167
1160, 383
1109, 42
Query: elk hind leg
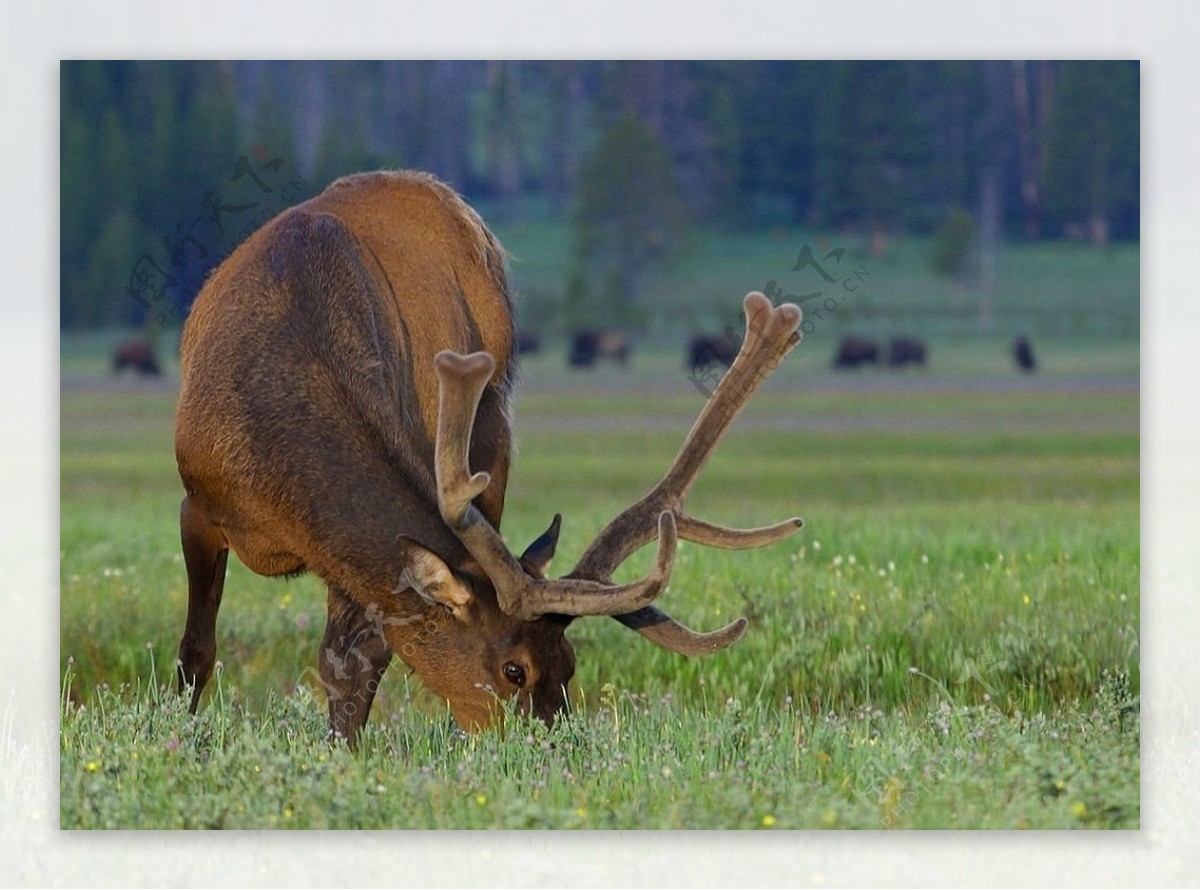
205, 554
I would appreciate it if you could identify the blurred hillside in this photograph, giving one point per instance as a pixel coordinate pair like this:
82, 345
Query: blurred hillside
627, 168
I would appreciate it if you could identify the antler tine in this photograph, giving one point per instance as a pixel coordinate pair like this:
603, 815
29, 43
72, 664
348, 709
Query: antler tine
663, 630
462, 382
463, 379
711, 535
770, 335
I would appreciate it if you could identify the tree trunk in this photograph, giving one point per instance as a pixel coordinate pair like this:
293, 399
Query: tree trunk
449, 122
563, 155
989, 230
1027, 151
504, 136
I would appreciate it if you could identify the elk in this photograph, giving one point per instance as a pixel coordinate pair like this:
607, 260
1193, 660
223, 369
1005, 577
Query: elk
906, 350
137, 354
855, 351
704, 351
589, 345
1023, 354
346, 377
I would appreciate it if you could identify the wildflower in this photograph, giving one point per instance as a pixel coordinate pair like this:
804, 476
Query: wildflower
768, 820
1079, 808
288, 812
172, 744
1025, 599
92, 766
481, 799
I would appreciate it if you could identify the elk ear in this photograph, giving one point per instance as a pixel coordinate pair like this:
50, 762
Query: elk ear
427, 575
536, 558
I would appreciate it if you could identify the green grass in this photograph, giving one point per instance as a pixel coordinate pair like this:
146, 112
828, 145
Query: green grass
1046, 289
952, 641
621, 760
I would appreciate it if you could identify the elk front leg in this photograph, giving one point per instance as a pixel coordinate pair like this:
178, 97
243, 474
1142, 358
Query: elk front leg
354, 656
205, 553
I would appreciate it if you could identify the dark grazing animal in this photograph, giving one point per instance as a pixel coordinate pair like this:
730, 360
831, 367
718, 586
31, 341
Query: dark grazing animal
855, 351
528, 342
138, 355
347, 374
589, 345
704, 350
1023, 353
906, 350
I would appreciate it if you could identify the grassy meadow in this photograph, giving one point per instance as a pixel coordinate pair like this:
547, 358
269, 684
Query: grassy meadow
950, 642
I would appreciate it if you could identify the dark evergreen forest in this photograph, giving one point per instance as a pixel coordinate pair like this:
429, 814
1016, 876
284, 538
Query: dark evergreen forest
166, 166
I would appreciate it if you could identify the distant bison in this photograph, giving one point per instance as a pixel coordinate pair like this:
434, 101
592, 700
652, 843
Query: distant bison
855, 351
906, 350
1023, 353
703, 351
528, 342
587, 346
136, 354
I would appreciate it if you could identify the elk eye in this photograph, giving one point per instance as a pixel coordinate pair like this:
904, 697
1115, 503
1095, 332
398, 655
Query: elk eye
514, 673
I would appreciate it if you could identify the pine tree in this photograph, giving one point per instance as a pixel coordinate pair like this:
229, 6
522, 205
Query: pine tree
871, 147
628, 217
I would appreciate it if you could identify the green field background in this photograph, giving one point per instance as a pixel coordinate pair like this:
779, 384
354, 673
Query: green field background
951, 641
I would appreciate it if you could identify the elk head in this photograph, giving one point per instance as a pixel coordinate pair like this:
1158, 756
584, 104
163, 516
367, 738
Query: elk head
506, 617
